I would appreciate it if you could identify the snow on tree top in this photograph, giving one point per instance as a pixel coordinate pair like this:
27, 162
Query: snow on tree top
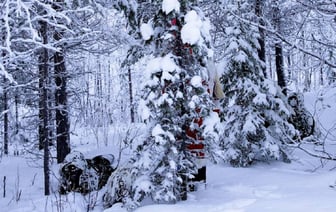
190, 34
191, 31
146, 31
170, 5
241, 57
192, 17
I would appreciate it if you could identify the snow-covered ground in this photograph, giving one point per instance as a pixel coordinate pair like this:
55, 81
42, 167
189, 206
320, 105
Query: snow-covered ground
303, 185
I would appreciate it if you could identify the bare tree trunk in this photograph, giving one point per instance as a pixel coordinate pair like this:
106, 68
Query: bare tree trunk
331, 77
131, 95
261, 39
43, 103
4, 98
279, 64
41, 127
270, 65
5, 105
62, 117
61, 97
16, 100
289, 64
321, 82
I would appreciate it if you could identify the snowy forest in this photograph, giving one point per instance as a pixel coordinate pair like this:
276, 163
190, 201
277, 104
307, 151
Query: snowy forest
167, 105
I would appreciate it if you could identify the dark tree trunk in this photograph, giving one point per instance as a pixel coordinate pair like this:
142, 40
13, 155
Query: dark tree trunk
61, 98
16, 100
4, 98
261, 39
331, 74
43, 103
62, 119
5, 105
290, 71
279, 64
131, 95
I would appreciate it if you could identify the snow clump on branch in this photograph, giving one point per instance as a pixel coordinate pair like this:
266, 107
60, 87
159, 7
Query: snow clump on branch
146, 30
170, 5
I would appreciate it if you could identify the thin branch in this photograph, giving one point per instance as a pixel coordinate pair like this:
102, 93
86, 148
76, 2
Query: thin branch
283, 39
326, 155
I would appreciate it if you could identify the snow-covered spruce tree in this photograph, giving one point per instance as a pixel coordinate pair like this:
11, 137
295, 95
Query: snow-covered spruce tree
255, 112
174, 100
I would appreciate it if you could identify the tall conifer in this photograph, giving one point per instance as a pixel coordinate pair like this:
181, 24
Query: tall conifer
175, 100
255, 111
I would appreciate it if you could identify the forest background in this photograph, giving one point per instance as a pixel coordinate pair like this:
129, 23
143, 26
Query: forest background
70, 65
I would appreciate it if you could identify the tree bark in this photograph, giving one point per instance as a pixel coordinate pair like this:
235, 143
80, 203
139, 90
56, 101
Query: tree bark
279, 64
62, 119
331, 77
43, 103
5, 105
4, 98
61, 98
261, 39
131, 95
16, 100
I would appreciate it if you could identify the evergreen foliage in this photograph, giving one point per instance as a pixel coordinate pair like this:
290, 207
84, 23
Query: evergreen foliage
174, 98
255, 112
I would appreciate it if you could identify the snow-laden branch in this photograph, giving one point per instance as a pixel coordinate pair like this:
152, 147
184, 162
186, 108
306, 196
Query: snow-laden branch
286, 41
323, 43
53, 13
323, 8
7, 41
26, 9
324, 155
7, 75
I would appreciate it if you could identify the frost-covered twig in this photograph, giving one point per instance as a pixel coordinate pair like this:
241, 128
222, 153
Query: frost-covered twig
286, 41
325, 155
126, 141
